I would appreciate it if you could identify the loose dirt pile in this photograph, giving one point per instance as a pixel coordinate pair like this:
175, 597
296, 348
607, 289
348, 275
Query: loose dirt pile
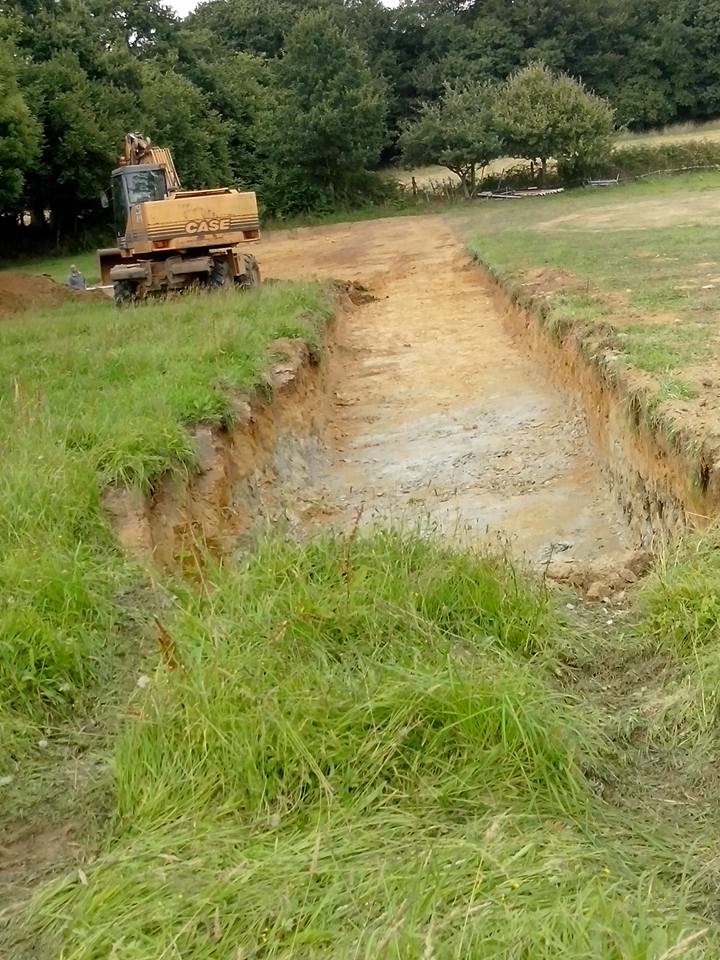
23, 291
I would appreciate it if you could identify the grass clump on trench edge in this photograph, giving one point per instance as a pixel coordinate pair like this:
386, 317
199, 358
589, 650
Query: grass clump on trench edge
680, 617
90, 396
361, 752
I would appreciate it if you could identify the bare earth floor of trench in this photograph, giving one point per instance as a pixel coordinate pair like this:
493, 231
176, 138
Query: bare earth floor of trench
437, 415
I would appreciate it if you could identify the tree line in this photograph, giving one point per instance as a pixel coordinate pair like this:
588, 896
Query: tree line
299, 99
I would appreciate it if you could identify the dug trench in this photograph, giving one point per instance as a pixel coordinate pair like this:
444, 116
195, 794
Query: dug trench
438, 405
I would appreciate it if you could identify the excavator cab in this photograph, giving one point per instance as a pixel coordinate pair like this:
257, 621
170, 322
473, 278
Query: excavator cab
135, 184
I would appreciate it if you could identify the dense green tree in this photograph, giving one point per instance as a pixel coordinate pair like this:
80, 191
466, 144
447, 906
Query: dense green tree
459, 132
91, 29
542, 115
374, 27
19, 133
81, 128
654, 76
250, 26
237, 87
488, 49
701, 22
176, 114
328, 124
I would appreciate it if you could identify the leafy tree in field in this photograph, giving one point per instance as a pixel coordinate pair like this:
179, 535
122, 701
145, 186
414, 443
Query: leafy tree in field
329, 121
587, 124
459, 133
542, 115
19, 134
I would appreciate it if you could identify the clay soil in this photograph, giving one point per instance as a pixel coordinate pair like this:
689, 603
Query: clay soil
23, 291
438, 416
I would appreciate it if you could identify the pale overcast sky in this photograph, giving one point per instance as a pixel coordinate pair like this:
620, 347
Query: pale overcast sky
182, 7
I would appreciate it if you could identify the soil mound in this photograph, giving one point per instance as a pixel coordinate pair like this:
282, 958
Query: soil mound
22, 291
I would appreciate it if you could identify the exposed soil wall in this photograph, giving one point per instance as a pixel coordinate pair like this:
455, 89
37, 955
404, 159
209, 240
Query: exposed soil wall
220, 504
666, 480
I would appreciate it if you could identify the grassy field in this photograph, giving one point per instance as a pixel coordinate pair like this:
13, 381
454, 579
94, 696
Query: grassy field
675, 133
93, 396
372, 747
636, 267
363, 746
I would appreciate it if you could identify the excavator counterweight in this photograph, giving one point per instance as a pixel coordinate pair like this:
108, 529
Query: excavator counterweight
169, 238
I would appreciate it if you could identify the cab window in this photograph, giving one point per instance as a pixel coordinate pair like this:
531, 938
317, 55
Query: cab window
145, 185
135, 186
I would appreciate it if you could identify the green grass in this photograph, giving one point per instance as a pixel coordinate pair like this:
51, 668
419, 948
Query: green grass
386, 884
682, 601
58, 267
632, 273
365, 753
92, 396
658, 348
676, 708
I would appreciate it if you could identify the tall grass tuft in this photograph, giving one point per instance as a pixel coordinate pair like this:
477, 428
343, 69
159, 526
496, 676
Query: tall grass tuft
336, 769
348, 669
681, 602
679, 609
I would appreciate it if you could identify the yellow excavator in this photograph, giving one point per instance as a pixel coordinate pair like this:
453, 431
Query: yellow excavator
169, 238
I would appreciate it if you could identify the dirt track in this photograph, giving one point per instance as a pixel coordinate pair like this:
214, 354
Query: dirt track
438, 415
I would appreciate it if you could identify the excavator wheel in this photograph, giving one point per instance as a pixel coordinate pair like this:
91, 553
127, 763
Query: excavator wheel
251, 277
125, 292
219, 276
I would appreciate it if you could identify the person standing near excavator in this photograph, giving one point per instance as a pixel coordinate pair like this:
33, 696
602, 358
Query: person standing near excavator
75, 280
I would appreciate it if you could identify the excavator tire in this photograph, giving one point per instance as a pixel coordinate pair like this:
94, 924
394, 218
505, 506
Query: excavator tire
251, 277
219, 276
125, 292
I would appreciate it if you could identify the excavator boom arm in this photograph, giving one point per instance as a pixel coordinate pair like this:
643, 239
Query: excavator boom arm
139, 149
